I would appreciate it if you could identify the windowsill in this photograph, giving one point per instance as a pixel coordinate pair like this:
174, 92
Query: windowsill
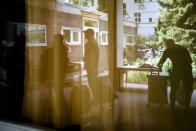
104, 44
74, 44
36, 44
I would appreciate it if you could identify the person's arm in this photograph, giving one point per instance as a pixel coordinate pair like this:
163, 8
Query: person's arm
163, 58
189, 59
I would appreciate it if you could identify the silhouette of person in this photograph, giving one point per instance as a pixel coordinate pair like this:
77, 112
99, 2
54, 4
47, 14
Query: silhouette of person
181, 71
91, 61
62, 52
60, 67
66, 44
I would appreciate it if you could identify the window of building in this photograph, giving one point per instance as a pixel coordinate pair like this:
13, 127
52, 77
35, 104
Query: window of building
138, 1
137, 17
104, 38
130, 39
97, 36
150, 19
71, 35
36, 35
71, 1
67, 35
124, 9
75, 36
76, 2
90, 23
67, 1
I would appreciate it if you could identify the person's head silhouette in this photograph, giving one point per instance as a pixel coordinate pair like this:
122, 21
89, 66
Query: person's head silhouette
89, 34
59, 38
169, 43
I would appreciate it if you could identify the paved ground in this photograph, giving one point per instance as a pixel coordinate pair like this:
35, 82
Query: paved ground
130, 113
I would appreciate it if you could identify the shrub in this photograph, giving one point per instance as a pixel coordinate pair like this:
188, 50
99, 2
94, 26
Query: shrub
137, 77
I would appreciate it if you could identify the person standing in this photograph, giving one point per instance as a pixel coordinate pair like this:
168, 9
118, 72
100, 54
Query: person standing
181, 71
59, 72
91, 58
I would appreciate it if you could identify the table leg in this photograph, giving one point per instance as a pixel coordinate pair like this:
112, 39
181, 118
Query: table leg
126, 77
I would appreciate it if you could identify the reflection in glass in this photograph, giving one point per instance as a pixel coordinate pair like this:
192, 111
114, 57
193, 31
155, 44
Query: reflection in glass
104, 38
75, 36
91, 23
129, 39
57, 89
66, 34
35, 33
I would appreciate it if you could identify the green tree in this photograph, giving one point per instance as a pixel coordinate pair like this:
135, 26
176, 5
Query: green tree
103, 5
146, 41
177, 21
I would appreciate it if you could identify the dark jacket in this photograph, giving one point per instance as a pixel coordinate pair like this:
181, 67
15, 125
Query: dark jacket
180, 58
91, 56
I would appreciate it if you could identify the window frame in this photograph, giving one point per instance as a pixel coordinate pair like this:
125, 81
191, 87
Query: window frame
101, 33
96, 29
124, 8
36, 44
72, 30
137, 17
128, 35
95, 20
150, 20
137, 1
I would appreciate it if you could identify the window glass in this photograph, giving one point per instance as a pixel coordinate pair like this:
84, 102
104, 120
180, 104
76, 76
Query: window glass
97, 36
71, 35
91, 23
35, 34
129, 39
104, 38
124, 8
76, 2
150, 19
137, 17
66, 34
138, 1
57, 72
75, 36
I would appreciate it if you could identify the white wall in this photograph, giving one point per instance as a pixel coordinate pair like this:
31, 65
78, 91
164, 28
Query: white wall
150, 11
146, 15
146, 31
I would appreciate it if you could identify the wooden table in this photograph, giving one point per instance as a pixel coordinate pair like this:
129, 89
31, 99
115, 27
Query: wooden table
166, 75
135, 68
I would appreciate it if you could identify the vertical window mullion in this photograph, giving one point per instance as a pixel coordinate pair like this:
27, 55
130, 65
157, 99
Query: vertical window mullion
71, 35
